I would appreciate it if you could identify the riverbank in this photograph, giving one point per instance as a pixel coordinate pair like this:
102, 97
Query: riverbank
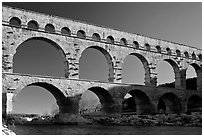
195, 119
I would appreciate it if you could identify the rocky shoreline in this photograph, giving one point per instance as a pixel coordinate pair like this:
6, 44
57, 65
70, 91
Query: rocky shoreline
194, 119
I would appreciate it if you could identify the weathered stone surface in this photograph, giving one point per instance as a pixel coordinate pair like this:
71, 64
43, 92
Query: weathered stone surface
69, 89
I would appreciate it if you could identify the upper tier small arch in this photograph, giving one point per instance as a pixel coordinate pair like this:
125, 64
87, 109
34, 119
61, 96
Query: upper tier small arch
123, 41
110, 40
96, 37
136, 44
66, 31
158, 49
178, 53
147, 47
168, 50
15, 21
50, 28
81, 34
33, 25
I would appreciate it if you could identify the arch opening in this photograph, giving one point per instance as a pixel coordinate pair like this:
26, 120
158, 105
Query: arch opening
38, 98
178, 53
158, 49
50, 28
193, 56
136, 44
33, 25
191, 77
96, 64
169, 103
15, 21
81, 34
186, 54
200, 57
96, 100
96, 37
129, 104
194, 104
194, 77
147, 47
40, 56
110, 40
168, 74
66, 31
168, 51
123, 41
136, 102
135, 69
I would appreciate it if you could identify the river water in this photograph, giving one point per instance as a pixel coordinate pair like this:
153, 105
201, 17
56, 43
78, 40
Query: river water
104, 130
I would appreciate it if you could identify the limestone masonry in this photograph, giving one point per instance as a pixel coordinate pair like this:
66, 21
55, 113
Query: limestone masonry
71, 38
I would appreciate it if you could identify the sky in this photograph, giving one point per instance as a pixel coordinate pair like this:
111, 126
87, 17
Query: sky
176, 22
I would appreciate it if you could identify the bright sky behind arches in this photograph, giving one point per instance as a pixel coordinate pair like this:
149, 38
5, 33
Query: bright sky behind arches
178, 22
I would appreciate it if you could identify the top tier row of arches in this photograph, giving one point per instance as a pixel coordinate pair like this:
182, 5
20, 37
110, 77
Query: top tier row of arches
50, 24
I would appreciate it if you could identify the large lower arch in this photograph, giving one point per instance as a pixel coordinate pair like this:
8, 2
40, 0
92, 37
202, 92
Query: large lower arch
105, 98
129, 105
169, 103
142, 103
57, 94
108, 58
47, 41
177, 82
145, 66
194, 104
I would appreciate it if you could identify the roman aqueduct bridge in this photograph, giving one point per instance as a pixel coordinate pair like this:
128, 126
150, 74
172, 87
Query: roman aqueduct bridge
71, 38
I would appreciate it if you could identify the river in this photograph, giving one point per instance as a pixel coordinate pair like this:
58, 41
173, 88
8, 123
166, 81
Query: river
104, 130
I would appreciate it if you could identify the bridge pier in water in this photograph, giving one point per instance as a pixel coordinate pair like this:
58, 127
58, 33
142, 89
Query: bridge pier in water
69, 110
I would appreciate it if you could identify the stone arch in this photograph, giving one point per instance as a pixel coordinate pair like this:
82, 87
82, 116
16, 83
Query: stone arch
105, 99
200, 57
49, 28
169, 103
81, 34
176, 71
123, 41
194, 104
136, 44
145, 65
54, 90
110, 40
195, 66
59, 49
158, 49
33, 25
66, 31
142, 102
108, 58
147, 47
193, 56
168, 50
198, 71
186, 54
96, 37
15, 21
129, 105
178, 53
